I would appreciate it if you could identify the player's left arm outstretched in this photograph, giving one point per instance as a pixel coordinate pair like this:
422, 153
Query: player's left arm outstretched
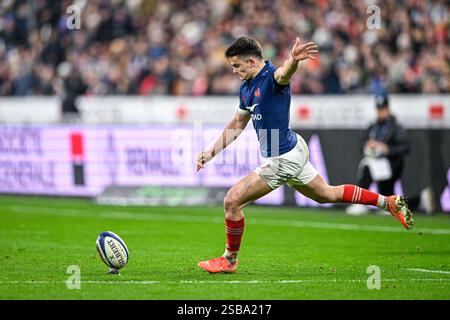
300, 51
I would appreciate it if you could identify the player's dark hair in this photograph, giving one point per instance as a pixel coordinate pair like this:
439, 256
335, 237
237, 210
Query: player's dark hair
244, 46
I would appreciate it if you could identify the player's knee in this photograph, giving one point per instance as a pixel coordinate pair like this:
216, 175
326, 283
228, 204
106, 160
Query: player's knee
231, 201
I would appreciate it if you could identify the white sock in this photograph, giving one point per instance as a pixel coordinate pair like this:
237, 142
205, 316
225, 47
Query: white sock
230, 256
382, 202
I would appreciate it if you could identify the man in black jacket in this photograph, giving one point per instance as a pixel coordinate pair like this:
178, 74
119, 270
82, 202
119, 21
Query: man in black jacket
385, 145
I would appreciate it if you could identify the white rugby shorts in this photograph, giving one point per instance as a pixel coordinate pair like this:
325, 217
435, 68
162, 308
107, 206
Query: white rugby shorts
292, 168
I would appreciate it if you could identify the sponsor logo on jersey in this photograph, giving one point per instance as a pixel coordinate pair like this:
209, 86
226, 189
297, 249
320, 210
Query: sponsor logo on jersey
252, 108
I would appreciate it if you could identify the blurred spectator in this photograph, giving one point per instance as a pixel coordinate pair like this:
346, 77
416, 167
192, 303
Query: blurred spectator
385, 145
176, 47
71, 86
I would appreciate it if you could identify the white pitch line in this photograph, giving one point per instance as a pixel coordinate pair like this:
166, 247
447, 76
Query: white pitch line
428, 271
194, 282
240, 281
121, 282
128, 215
82, 281
292, 281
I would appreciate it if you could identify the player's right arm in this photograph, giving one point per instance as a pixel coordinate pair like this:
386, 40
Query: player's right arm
229, 134
300, 51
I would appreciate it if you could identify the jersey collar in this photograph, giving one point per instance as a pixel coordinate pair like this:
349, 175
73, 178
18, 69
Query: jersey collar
261, 72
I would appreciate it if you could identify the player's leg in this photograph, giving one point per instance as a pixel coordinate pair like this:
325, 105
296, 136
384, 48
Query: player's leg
308, 182
320, 191
247, 190
364, 179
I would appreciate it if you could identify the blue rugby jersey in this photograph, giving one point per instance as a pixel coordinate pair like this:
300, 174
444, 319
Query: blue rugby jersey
268, 102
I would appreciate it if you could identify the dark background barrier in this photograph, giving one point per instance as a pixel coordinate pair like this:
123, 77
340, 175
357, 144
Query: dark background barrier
427, 164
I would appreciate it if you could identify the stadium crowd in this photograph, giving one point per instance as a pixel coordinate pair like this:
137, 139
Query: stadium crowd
148, 47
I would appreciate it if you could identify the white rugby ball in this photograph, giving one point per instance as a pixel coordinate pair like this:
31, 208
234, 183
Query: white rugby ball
112, 250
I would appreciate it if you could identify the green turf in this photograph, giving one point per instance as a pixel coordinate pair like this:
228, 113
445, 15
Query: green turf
286, 253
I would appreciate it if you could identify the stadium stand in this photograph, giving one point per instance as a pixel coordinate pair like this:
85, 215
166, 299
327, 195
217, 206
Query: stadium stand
136, 47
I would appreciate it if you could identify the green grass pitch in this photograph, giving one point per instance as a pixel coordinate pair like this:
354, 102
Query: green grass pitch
287, 253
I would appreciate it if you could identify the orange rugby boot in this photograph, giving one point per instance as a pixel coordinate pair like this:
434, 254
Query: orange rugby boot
217, 265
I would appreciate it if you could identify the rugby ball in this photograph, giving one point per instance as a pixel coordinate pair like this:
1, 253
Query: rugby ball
112, 250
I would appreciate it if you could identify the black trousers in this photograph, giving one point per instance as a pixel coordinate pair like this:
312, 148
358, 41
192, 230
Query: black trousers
386, 187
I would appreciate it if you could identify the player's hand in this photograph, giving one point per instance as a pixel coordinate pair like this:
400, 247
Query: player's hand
302, 51
203, 158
